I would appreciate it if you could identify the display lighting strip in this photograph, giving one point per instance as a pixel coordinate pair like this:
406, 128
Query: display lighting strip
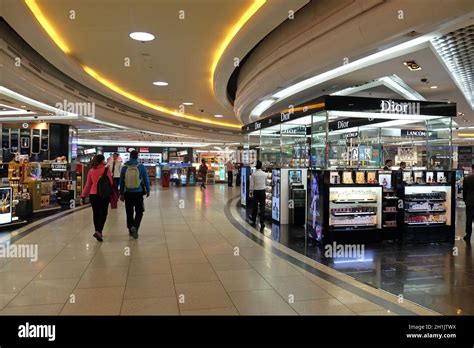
456, 51
392, 82
97, 142
382, 115
20, 97
53, 34
372, 59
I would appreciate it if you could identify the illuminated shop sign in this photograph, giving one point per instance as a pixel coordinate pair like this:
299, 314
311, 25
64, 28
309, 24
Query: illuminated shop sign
59, 167
350, 135
413, 133
295, 130
393, 107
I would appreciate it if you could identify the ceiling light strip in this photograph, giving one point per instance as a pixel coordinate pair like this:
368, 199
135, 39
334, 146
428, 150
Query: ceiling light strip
41, 18
372, 59
146, 103
256, 5
48, 27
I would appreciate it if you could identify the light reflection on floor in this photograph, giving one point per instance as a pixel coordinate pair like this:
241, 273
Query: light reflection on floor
439, 276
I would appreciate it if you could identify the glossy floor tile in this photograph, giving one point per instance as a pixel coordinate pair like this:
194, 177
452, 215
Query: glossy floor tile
187, 261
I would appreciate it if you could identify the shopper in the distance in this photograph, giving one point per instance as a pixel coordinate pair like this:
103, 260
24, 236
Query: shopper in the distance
203, 172
134, 184
115, 163
257, 191
99, 188
468, 197
229, 166
403, 166
388, 164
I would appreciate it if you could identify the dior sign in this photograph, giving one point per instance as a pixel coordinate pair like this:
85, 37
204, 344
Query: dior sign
393, 107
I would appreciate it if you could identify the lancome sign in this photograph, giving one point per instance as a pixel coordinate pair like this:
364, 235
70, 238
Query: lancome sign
413, 133
393, 107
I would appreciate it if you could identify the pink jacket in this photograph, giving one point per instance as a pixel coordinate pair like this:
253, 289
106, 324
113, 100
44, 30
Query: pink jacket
93, 178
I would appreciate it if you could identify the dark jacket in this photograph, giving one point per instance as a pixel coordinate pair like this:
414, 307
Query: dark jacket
468, 190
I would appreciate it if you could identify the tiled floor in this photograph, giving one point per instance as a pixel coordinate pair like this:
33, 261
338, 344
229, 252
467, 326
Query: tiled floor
189, 260
439, 276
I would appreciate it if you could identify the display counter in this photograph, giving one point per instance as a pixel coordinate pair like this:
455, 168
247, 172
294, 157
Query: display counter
429, 205
369, 206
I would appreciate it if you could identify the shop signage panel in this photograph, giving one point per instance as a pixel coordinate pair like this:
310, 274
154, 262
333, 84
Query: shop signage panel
121, 149
353, 122
59, 167
350, 135
90, 151
413, 133
465, 149
144, 149
389, 106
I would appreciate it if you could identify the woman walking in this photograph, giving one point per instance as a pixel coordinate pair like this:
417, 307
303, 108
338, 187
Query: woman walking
98, 179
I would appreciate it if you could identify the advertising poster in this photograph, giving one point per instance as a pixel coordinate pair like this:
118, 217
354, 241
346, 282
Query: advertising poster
314, 224
294, 176
5, 205
243, 187
276, 194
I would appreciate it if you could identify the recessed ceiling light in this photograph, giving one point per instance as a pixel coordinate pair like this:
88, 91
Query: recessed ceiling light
160, 83
218, 116
412, 65
434, 87
141, 36
188, 103
23, 106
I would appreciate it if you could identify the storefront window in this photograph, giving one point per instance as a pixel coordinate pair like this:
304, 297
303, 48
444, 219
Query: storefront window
294, 144
439, 150
318, 140
270, 146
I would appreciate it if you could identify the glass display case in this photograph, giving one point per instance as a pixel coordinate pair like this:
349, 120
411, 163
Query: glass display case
429, 205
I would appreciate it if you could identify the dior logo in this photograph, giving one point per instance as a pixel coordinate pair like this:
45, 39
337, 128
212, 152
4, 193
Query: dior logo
342, 124
392, 107
285, 117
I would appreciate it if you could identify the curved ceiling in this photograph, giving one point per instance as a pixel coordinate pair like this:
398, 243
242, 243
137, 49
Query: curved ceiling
331, 41
89, 41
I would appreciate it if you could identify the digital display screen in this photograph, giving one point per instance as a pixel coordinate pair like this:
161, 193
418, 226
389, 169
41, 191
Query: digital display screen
5, 205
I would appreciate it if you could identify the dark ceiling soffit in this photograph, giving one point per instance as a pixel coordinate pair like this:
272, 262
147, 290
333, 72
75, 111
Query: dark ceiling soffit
13, 39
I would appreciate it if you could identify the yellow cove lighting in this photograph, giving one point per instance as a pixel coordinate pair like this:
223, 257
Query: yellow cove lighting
146, 103
232, 33
53, 34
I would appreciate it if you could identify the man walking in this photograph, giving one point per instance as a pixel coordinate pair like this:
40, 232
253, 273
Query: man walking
203, 172
230, 173
468, 197
257, 191
115, 164
134, 184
